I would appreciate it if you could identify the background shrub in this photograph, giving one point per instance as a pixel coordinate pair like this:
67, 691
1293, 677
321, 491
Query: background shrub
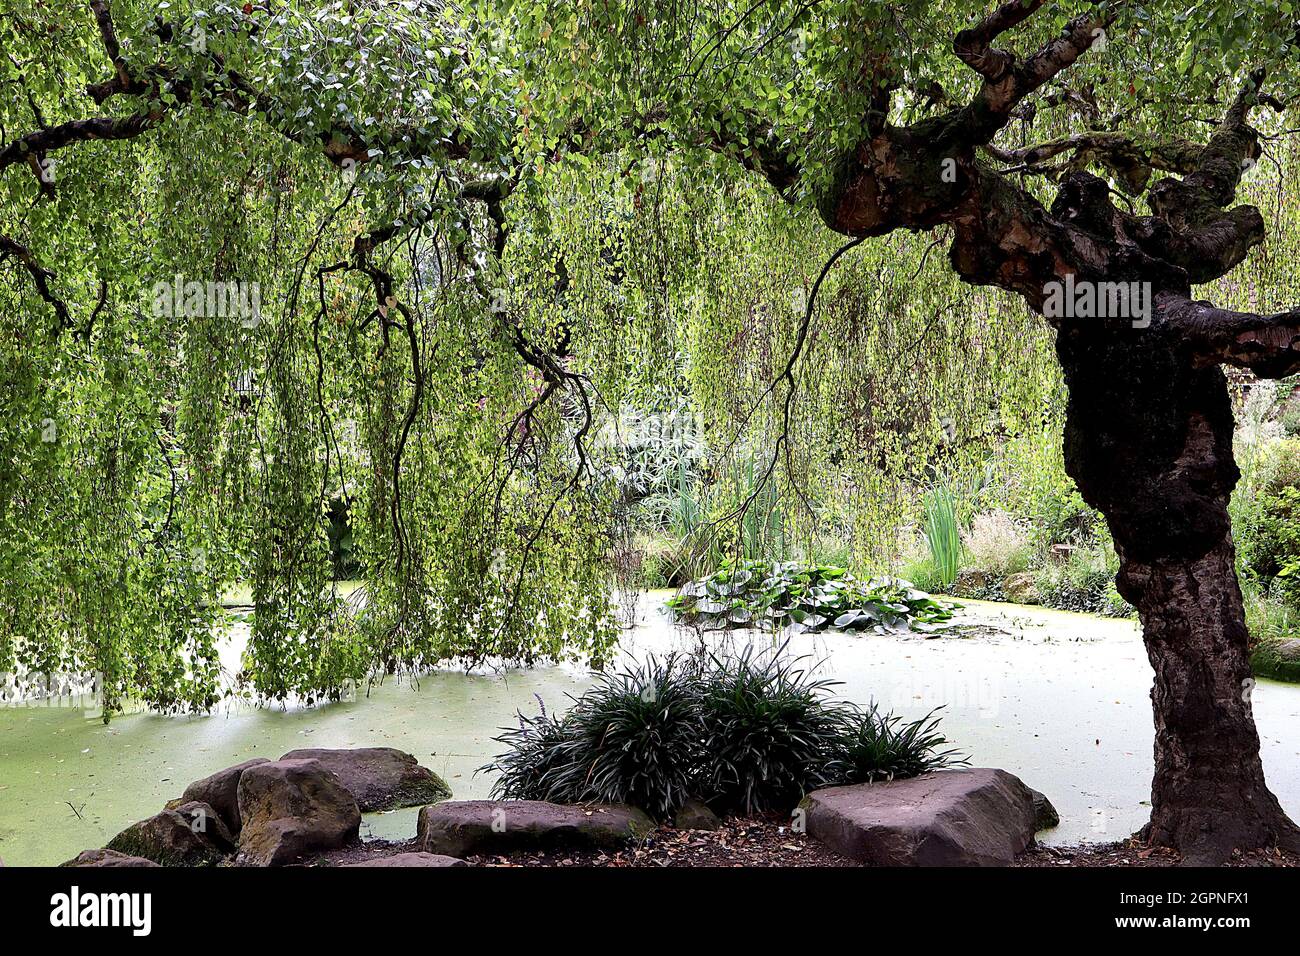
995, 543
1269, 540
1085, 581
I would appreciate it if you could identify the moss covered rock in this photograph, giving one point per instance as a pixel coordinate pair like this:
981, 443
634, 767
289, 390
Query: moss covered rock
1021, 588
191, 835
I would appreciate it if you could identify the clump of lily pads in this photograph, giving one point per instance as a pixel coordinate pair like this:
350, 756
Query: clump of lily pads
776, 595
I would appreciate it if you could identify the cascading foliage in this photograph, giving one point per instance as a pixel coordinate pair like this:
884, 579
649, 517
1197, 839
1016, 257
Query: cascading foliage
159, 449
468, 253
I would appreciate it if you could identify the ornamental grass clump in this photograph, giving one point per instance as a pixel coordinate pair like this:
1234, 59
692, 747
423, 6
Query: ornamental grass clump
886, 747
747, 732
770, 731
633, 738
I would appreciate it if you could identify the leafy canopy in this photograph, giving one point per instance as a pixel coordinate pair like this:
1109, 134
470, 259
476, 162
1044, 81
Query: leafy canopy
475, 231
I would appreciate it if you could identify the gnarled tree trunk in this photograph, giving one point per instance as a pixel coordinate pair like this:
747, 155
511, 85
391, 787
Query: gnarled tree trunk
1149, 426
1149, 442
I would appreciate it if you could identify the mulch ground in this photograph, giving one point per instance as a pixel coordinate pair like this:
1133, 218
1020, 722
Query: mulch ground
764, 841
1136, 853
754, 841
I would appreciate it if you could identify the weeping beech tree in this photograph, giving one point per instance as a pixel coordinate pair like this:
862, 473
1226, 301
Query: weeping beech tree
475, 227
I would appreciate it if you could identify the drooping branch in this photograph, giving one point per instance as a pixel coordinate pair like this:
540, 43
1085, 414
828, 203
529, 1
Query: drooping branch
40, 276
108, 33
221, 87
493, 191
43, 141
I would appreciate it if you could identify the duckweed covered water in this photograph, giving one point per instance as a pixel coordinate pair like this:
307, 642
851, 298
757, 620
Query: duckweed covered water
1059, 699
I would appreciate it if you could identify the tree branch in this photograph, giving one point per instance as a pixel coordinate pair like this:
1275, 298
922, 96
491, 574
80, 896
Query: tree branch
108, 33
974, 46
1268, 345
1200, 235
1007, 80
1131, 161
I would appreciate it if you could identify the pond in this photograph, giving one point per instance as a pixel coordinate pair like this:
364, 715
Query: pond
1059, 699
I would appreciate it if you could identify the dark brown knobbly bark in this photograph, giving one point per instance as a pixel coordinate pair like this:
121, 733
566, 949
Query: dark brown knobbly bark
1149, 442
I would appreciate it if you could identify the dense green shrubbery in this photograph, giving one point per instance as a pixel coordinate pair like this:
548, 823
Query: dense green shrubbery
749, 733
808, 598
1266, 524
1274, 623
1270, 539
1085, 581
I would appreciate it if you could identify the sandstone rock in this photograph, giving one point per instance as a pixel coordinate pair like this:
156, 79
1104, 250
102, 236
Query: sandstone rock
380, 778
291, 809
1045, 815
463, 827
695, 815
221, 792
194, 836
1289, 649
411, 859
976, 817
1021, 588
102, 858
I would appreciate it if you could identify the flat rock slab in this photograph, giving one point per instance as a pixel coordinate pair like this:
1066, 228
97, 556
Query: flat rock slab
464, 827
380, 778
105, 858
976, 817
293, 809
410, 859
